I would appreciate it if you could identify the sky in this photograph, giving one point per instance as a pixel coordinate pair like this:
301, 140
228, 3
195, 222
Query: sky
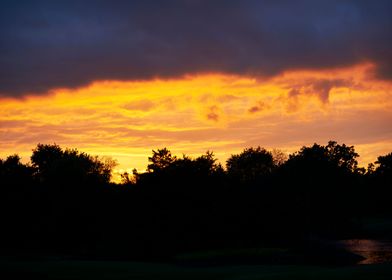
120, 78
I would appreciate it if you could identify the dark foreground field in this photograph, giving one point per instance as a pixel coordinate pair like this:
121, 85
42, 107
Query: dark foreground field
134, 270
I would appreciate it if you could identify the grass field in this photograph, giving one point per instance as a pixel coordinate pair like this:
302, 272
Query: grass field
112, 270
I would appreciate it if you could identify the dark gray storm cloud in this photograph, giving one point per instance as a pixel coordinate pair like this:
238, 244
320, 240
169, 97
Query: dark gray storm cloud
47, 44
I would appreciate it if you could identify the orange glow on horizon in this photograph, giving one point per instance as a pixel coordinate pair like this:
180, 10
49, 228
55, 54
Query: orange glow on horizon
193, 114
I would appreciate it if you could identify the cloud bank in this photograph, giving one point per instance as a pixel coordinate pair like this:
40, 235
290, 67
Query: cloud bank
54, 44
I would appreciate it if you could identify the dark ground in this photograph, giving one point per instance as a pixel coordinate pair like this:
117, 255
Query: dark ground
58, 269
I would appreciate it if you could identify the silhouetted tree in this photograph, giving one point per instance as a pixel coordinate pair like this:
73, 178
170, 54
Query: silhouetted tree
203, 165
342, 156
249, 165
129, 179
384, 166
380, 182
54, 164
64, 201
46, 157
279, 157
169, 171
207, 163
17, 203
319, 160
321, 181
12, 171
160, 159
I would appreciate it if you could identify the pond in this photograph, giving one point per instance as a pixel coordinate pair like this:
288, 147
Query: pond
374, 251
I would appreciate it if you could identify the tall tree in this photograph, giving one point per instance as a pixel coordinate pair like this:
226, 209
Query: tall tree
160, 160
54, 164
250, 164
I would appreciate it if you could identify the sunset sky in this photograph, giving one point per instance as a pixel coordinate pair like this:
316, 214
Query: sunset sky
120, 78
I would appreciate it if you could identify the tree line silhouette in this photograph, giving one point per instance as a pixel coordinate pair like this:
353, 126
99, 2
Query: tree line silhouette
63, 202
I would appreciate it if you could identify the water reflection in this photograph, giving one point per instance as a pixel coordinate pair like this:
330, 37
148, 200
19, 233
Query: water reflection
374, 251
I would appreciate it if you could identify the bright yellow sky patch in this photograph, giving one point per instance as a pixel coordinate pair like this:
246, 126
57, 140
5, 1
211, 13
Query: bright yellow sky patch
193, 114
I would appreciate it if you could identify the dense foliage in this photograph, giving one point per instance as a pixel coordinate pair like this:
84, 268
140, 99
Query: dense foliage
63, 202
